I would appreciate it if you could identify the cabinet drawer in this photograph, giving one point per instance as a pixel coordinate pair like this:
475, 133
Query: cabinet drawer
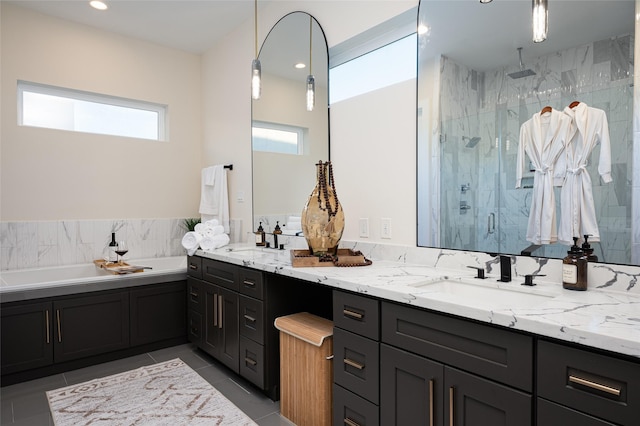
252, 319
250, 283
194, 267
356, 364
597, 384
499, 355
195, 295
220, 273
551, 414
356, 313
252, 361
351, 410
194, 327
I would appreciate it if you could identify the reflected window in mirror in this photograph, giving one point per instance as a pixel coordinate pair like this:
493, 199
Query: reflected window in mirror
278, 138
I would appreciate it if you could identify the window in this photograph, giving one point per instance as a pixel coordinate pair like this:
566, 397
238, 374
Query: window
387, 65
67, 109
277, 138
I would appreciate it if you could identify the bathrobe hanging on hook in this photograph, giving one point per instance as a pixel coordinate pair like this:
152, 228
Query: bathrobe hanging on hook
540, 141
588, 128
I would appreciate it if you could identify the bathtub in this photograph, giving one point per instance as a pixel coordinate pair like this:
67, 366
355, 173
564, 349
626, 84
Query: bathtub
24, 284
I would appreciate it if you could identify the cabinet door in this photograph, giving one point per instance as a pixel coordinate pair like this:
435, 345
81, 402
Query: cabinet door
158, 312
411, 389
474, 401
221, 339
27, 336
90, 325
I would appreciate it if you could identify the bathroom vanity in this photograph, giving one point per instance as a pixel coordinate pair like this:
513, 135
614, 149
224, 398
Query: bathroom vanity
408, 352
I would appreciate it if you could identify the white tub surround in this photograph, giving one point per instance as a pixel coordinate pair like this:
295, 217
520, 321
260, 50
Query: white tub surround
35, 283
604, 317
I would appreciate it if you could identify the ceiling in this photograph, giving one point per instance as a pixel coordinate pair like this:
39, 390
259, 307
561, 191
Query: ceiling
191, 26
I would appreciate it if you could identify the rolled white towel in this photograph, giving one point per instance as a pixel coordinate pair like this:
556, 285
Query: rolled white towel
199, 228
212, 231
214, 242
191, 241
212, 222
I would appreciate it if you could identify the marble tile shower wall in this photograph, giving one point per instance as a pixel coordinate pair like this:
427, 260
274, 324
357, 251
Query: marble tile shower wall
66, 242
493, 106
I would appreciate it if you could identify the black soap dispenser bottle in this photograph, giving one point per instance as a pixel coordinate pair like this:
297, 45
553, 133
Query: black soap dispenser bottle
260, 236
588, 250
574, 268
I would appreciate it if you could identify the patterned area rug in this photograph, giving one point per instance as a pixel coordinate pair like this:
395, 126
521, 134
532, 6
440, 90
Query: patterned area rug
168, 393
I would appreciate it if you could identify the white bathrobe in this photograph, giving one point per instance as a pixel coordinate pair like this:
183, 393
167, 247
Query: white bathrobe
539, 139
588, 127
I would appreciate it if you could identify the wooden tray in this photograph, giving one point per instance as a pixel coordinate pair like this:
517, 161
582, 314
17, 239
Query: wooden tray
344, 257
117, 268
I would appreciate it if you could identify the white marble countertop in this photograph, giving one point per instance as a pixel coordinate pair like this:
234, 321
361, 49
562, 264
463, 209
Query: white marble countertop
599, 318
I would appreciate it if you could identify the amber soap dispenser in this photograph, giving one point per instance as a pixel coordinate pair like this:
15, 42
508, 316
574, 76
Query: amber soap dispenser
260, 236
574, 268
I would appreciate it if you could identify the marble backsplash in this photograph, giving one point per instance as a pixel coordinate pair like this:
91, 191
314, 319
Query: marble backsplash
66, 242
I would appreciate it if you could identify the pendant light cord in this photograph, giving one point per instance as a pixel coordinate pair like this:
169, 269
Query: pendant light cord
310, 44
255, 25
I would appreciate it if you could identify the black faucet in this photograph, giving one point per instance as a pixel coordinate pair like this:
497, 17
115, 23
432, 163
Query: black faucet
505, 269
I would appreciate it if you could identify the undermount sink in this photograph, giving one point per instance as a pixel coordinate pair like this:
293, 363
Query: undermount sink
484, 294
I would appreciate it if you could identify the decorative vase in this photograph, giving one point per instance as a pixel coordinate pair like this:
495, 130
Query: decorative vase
322, 217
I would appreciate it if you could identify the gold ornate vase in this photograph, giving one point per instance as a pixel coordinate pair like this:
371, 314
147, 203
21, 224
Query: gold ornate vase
322, 217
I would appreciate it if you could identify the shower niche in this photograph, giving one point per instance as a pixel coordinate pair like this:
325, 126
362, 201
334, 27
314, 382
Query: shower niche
469, 128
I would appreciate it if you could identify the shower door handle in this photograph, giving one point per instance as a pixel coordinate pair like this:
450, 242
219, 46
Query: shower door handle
491, 223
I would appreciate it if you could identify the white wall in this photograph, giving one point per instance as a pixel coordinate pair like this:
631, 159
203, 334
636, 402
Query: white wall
227, 117
52, 174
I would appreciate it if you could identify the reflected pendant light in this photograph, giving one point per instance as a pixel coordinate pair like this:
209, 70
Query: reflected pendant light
256, 68
540, 20
311, 81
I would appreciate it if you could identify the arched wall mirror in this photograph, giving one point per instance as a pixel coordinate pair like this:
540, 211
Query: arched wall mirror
475, 93
287, 139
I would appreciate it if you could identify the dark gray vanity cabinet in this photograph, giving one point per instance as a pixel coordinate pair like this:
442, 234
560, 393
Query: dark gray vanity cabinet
27, 336
90, 325
356, 361
580, 387
55, 334
220, 338
444, 370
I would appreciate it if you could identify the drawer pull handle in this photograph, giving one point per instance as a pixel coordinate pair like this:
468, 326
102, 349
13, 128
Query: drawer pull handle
431, 402
193, 267
249, 283
353, 364
352, 314
59, 328
249, 318
220, 313
250, 361
594, 385
215, 310
47, 319
194, 295
451, 395
349, 422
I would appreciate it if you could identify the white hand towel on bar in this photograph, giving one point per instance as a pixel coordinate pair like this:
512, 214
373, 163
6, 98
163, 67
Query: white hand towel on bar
214, 197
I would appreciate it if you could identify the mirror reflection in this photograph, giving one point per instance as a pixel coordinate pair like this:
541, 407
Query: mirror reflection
287, 139
476, 89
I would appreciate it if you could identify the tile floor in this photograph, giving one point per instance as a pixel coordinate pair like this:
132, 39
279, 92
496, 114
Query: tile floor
26, 403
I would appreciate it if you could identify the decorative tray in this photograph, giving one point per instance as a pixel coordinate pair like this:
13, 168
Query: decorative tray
119, 268
344, 257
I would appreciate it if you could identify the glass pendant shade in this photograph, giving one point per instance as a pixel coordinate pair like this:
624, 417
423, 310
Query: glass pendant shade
540, 20
311, 92
256, 84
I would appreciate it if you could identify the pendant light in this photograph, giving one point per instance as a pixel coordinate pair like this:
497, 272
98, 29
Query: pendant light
311, 81
256, 68
540, 20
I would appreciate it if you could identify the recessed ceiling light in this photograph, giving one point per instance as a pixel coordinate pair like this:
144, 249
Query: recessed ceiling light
98, 4
300, 65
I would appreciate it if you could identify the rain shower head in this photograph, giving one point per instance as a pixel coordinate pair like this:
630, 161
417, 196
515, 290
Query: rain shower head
523, 72
471, 142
